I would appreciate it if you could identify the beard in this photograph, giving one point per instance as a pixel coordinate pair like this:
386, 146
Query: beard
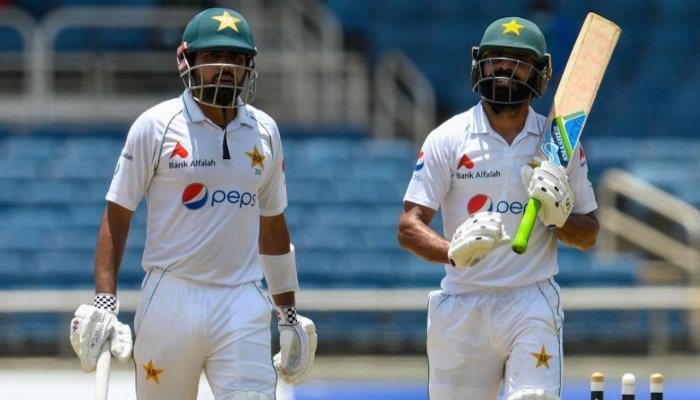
504, 90
224, 96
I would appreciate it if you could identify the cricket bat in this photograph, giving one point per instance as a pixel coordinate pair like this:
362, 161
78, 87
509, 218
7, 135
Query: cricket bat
572, 103
102, 370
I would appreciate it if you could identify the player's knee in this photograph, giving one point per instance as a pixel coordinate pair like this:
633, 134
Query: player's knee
533, 394
251, 395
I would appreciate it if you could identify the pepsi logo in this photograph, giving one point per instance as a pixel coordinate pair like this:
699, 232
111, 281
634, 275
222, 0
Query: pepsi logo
479, 202
420, 163
482, 202
195, 196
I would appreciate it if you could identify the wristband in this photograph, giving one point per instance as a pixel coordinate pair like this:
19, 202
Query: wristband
108, 302
280, 272
287, 315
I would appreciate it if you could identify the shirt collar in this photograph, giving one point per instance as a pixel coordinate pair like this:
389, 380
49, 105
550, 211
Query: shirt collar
195, 114
481, 122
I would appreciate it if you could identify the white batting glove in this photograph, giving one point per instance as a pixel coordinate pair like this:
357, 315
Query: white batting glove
533, 394
476, 238
92, 327
298, 340
549, 184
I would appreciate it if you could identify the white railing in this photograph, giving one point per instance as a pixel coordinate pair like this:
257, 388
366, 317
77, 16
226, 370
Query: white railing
616, 184
305, 76
659, 300
404, 100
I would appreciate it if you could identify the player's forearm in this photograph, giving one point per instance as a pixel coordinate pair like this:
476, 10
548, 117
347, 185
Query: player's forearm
580, 231
274, 235
418, 238
111, 242
284, 299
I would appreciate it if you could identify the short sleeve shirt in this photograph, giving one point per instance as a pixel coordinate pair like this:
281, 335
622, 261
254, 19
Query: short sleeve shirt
464, 167
202, 210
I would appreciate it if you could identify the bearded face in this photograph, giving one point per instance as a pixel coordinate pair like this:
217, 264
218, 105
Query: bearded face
218, 78
506, 78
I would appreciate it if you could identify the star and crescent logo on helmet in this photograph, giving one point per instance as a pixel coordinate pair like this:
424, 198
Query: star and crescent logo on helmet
512, 26
226, 20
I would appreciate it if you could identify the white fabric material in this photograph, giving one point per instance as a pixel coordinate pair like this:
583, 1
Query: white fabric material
248, 395
91, 328
549, 184
297, 351
469, 361
280, 272
223, 331
533, 394
465, 167
200, 206
476, 238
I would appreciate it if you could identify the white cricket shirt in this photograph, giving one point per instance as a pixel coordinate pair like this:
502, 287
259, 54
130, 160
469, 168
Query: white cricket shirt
203, 210
464, 167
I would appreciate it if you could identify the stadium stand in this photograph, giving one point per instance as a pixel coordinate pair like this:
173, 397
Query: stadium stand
346, 187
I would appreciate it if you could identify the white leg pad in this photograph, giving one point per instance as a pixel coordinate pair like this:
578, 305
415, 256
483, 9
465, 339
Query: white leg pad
251, 395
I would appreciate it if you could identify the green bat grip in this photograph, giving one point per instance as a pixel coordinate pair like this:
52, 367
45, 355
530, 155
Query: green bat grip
526, 224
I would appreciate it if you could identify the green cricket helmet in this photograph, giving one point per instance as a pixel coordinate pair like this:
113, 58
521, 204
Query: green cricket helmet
218, 29
521, 36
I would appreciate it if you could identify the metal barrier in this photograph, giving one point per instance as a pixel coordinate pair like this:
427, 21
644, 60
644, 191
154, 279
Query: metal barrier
305, 76
404, 99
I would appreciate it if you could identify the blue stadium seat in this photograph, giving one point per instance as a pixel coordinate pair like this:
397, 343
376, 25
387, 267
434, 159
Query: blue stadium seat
65, 267
11, 40
14, 268
578, 268
31, 147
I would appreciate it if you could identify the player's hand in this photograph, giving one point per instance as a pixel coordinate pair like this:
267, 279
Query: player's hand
298, 342
549, 184
91, 328
476, 238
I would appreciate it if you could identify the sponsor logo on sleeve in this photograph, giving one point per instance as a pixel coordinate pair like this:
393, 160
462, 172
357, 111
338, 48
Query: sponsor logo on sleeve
421, 161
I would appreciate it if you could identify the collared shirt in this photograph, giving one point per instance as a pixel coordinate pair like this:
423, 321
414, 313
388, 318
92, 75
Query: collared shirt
202, 210
465, 167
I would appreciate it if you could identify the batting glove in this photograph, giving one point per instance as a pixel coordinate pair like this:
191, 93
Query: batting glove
92, 326
476, 238
298, 340
549, 184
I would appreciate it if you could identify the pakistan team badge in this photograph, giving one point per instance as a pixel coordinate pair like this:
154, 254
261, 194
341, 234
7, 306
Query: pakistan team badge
152, 373
542, 358
256, 159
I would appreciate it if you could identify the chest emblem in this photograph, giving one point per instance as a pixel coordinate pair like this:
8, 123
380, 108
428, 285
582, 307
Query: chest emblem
256, 159
465, 162
179, 150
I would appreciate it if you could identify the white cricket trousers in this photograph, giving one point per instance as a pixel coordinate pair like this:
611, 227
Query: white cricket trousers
183, 328
476, 341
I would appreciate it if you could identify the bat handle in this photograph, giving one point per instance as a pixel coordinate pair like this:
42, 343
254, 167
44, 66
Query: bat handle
104, 362
522, 237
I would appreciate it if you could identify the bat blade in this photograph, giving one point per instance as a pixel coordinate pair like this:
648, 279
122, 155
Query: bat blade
572, 104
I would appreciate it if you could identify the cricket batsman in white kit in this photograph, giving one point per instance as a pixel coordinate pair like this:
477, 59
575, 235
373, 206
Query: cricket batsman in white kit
497, 319
211, 168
